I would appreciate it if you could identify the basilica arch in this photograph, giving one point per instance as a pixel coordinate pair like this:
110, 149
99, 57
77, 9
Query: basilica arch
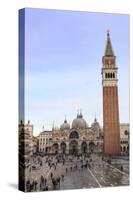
55, 148
92, 147
73, 147
84, 147
63, 147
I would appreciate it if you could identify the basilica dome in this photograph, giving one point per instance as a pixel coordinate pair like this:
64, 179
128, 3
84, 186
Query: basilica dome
65, 125
79, 122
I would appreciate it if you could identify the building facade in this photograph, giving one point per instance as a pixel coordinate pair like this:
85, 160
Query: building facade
25, 140
79, 138
75, 139
124, 138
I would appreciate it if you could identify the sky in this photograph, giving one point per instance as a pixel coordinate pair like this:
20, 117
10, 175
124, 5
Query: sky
63, 61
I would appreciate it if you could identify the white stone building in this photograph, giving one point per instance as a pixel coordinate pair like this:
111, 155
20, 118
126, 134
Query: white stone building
76, 138
25, 140
124, 137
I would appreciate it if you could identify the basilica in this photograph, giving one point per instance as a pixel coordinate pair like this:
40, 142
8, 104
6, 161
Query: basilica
75, 138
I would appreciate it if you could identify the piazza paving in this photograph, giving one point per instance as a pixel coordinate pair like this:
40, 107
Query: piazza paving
72, 175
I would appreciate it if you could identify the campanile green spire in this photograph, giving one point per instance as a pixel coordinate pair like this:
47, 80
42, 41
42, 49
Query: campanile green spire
109, 50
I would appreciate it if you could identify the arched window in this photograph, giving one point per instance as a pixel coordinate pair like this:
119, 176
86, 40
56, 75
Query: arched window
126, 132
113, 75
74, 134
124, 148
109, 75
106, 76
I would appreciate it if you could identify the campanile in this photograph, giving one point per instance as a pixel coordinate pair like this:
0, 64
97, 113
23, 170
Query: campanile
111, 125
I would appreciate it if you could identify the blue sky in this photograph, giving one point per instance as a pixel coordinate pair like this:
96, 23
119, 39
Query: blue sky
63, 61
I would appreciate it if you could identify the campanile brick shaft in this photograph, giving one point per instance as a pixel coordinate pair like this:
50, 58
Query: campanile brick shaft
111, 125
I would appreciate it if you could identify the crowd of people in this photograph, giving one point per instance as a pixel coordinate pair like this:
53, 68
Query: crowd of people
58, 167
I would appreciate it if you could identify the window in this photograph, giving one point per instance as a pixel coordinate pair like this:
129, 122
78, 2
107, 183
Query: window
74, 134
126, 132
109, 75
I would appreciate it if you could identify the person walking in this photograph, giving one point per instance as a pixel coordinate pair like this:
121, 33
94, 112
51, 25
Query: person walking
51, 175
121, 168
45, 181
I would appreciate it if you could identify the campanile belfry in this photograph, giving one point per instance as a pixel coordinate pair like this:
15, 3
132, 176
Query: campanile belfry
111, 126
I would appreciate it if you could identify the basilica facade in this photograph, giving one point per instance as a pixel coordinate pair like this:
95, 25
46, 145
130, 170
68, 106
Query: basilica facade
75, 138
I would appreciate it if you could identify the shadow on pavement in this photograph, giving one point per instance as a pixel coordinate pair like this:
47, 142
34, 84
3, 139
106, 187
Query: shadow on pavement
13, 185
